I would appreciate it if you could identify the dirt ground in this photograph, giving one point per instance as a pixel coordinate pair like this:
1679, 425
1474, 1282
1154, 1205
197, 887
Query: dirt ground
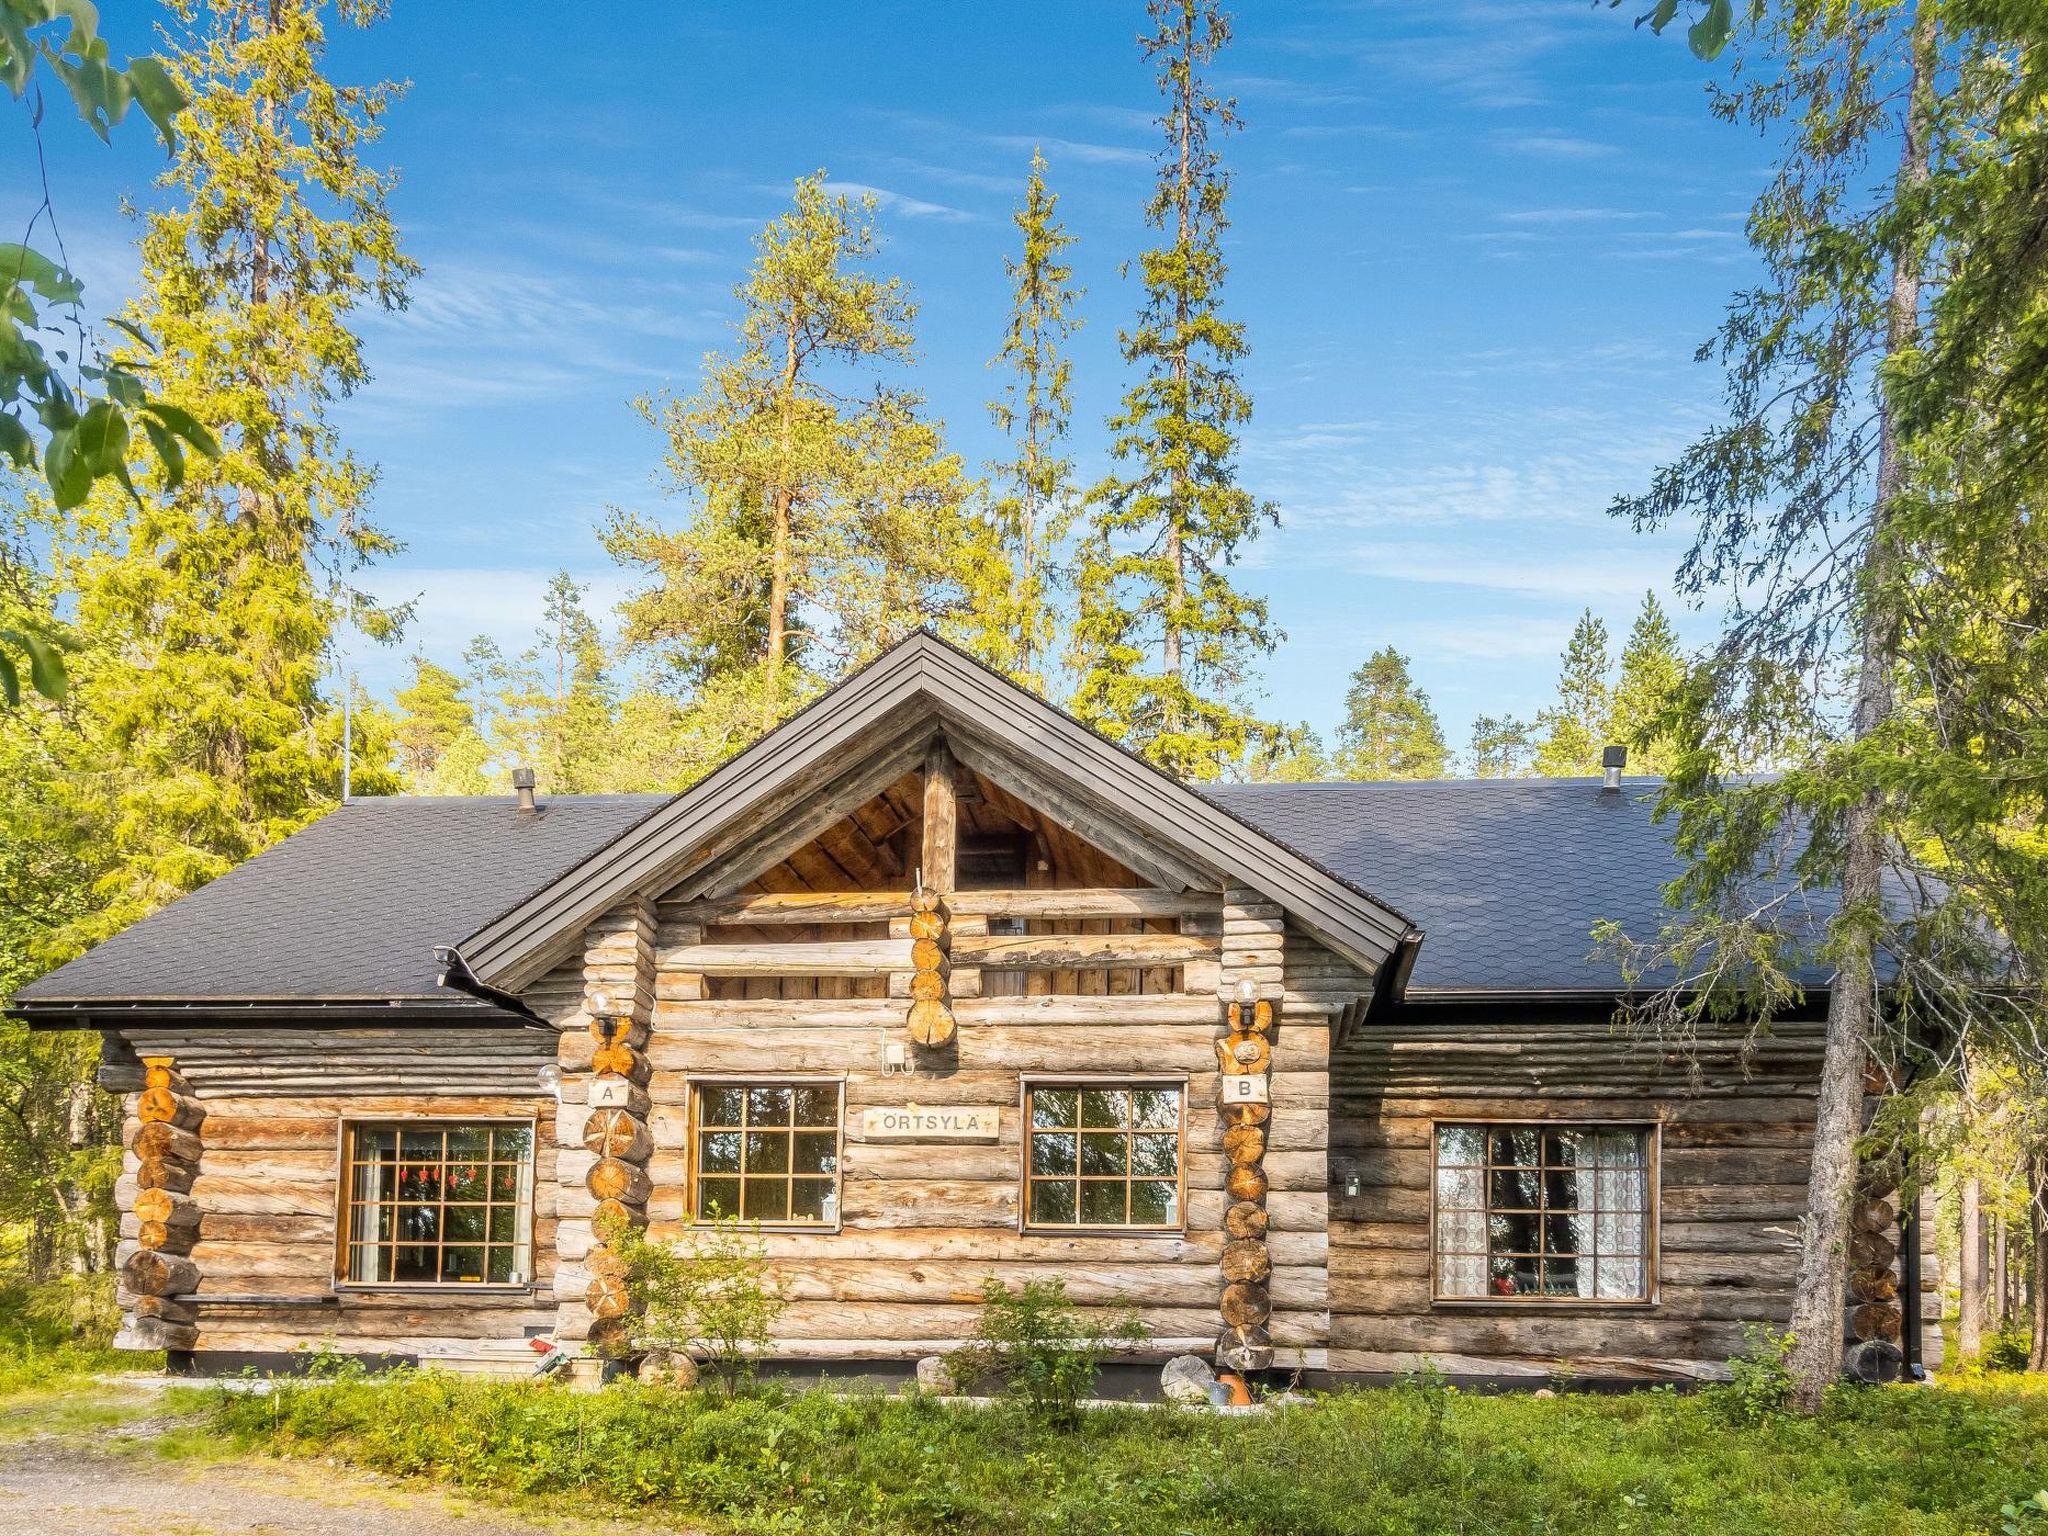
112, 1483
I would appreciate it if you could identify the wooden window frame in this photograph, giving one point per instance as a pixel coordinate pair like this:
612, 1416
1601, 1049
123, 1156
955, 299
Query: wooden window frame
766, 1080
345, 1203
1032, 1081
1653, 1133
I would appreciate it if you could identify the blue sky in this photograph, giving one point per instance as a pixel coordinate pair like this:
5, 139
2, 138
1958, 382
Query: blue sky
1475, 243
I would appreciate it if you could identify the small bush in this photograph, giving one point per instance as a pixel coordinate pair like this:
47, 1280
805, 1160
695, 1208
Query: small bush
1039, 1348
712, 1300
2006, 1350
1759, 1380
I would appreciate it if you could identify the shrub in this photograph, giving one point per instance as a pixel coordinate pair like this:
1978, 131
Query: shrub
712, 1300
2006, 1350
1039, 1347
1759, 1381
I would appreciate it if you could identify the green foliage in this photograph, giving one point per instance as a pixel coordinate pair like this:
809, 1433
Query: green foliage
1389, 730
1415, 1461
2024, 1517
826, 523
1759, 1379
1164, 641
1010, 613
1575, 727
711, 1297
1502, 748
1652, 674
1286, 755
1039, 1349
433, 717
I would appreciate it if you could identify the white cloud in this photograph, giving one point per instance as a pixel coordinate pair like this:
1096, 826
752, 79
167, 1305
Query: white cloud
900, 202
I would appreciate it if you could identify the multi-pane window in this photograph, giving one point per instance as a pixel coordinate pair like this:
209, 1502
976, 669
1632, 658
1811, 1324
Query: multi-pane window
438, 1203
767, 1152
1103, 1155
1543, 1212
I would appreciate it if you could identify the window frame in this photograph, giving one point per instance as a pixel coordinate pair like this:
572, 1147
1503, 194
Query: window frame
1030, 1081
1653, 1142
344, 1204
835, 1080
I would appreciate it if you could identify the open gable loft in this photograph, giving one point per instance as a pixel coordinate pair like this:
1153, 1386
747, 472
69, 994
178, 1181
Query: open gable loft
862, 737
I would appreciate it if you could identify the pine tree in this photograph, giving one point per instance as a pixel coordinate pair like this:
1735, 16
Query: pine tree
1575, 727
433, 716
1502, 748
557, 710
1652, 673
826, 524
1164, 642
1288, 755
206, 711
1389, 730
1033, 505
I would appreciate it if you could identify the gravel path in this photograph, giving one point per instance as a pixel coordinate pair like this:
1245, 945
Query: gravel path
65, 1487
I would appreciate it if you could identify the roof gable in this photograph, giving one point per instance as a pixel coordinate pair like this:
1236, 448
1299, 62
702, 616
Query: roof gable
863, 733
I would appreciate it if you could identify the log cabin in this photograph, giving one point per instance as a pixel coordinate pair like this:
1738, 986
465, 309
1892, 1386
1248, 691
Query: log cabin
933, 984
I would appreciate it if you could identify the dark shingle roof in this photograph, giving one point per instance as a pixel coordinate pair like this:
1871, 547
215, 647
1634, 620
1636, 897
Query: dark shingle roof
349, 908
1505, 877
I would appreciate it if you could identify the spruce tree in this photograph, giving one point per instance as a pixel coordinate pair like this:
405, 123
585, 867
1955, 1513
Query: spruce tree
825, 523
1575, 727
433, 716
1503, 747
221, 599
1032, 504
558, 710
1389, 729
1164, 643
1288, 755
1652, 673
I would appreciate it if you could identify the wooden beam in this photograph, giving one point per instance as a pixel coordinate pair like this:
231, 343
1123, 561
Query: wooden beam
793, 907
1075, 951
839, 957
1095, 902
880, 906
939, 855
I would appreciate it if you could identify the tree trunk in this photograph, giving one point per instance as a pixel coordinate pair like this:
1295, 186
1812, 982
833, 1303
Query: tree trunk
1176, 512
1816, 1358
2037, 1222
779, 512
1970, 1269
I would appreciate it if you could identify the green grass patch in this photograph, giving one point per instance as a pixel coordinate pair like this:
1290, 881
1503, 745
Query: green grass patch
1412, 1459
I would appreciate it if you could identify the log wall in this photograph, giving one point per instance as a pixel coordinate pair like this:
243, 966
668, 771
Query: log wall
267, 1177
1736, 1129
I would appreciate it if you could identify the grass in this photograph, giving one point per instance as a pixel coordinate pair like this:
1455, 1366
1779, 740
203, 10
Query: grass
1418, 1458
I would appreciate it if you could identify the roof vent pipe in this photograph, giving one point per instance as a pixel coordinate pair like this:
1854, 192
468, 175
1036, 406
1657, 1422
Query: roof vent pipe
522, 786
1612, 761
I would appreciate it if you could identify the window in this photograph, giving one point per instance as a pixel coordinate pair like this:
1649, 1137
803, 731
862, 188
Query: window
1543, 1213
434, 1203
1103, 1155
767, 1152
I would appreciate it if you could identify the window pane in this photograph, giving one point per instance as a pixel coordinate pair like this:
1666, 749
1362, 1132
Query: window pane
512, 1143
809, 1199
463, 1224
470, 1142
376, 1141
767, 1152
1515, 1275
419, 1223
1461, 1189
1155, 1108
1515, 1146
1105, 1106
816, 1152
420, 1144
504, 1265
1460, 1146
410, 1263
719, 1152
505, 1224
1158, 1156
505, 1178
1053, 1152
1052, 1202
718, 1197
818, 1105
765, 1200
467, 1181
768, 1106
1103, 1204
1565, 1149
1514, 1189
1054, 1107
720, 1106
462, 1264
1104, 1152
1155, 1203
1461, 1274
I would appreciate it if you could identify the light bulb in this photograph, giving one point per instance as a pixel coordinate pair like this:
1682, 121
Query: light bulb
1247, 991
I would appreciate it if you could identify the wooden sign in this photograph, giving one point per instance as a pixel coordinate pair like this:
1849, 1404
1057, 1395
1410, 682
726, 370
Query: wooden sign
1243, 1088
914, 1122
610, 1093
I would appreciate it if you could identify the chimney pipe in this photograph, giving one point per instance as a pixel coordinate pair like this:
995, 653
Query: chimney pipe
522, 786
1612, 761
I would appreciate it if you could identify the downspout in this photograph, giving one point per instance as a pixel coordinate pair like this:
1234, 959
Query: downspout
1909, 1281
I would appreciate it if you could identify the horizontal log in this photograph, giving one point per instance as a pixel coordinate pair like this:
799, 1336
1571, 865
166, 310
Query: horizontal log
159, 1139
146, 1333
835, 957
1073, 951
148, 1273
